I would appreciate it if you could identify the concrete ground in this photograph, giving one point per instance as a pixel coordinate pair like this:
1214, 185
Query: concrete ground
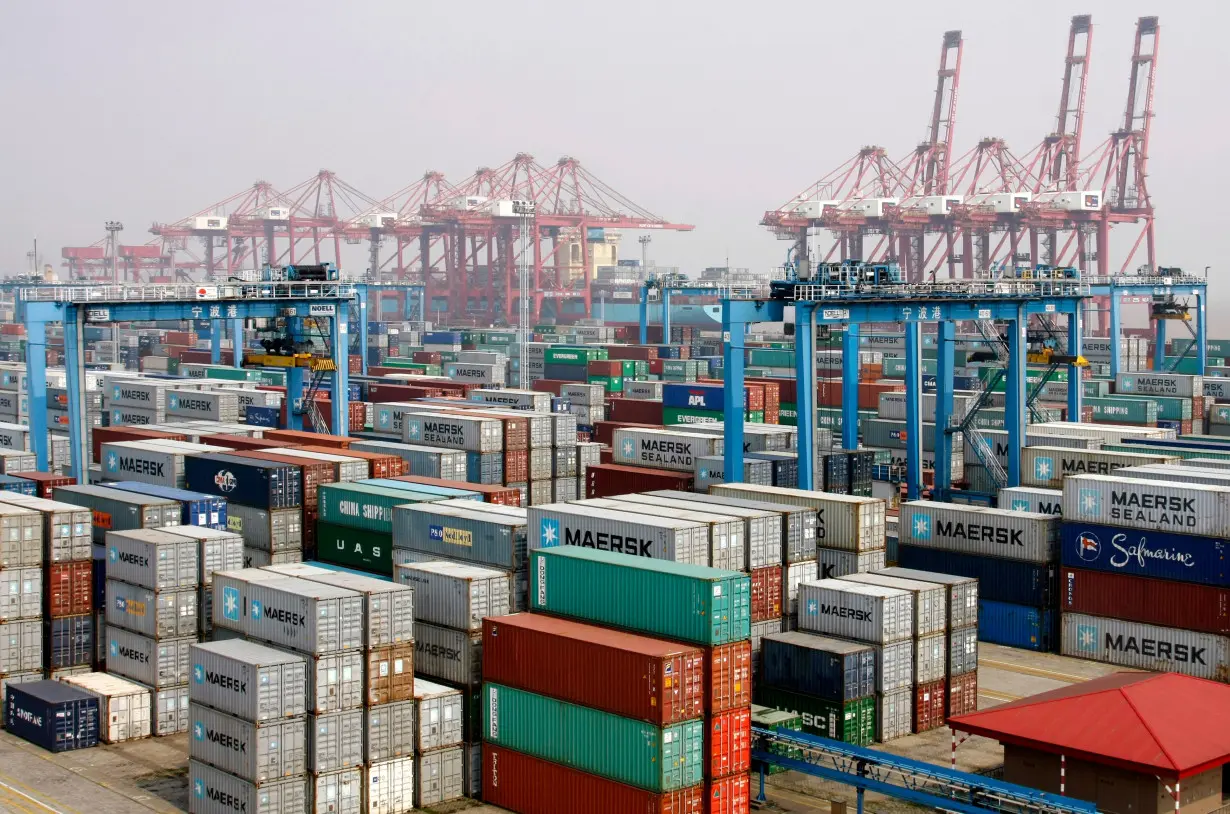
151, 775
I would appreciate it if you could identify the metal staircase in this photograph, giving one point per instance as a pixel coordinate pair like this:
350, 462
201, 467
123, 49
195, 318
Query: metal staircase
319, 369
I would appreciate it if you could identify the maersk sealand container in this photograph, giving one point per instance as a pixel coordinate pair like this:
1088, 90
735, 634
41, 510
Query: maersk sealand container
1177, 508
691, 603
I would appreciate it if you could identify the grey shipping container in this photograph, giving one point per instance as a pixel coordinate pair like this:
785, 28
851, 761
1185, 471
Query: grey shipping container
21, 536
1032, 499
472, 534
930, 658
798, 522
1176, 474
1185, 508
727, 543
339, 792
866, 613
388, 608
542, 463
249, 680
390, 730
1147, 647
270, 530
564, 433
21, 593
973, 530
157, 663
439, 776
663, 449
166, 614
306, 616
962, 650
347, 469
213, 791
997, 442
794, 575
21, 646
762, 529
930, 600
428, 462
68, 530
169, 713
644, 533
446, 654
564, 490
389, 785
711, 470
962, 593
1048, 466
203, 404
153, 558
335, 740
541, 492
217, 550
842, 521
894, 666
471, 433
456, 595
335, 681
257, 558
564, 462
114, 510
894, 714
438, 711
834, 563
256, 752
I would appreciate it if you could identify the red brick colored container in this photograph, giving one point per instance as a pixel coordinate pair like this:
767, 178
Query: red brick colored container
499, 495
378, 465
604, 480
636, 411
47, 480
516, 466
426, 357
68, 588
640, 353
728, 743
107, 435
767, 593
313, 438
962, 694
243, 443
1140, 599
379, 392
929, 701
728, 676
730, 795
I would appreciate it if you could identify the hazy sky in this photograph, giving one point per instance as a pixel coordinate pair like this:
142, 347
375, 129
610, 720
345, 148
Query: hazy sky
703, 112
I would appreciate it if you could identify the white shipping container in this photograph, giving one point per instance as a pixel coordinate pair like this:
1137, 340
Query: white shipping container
153, 558
997, 442
1159, 384
1109, 433
894, 715
446, 654
762, 528
835, 563
390, 731
258, 753
794, 575
439, 776
21, 593
259, 558
892, 405
307, 616
156, 663
164, 614
249, 680
643, 391
21, 646
930, 658
1147, 647
974, 530
1048, 466
213, 791
123, 706
463, 432
335, 740
532, 400
475, 372
663, 449
456, 595
727, 547
930, 601
217, 550
865, 613
1206, 463
1032, 499
21, 536
335, 681
389, 786
438, 711
388, 608
626, 531
1182, 508
584, 395
1175, 473
842, 521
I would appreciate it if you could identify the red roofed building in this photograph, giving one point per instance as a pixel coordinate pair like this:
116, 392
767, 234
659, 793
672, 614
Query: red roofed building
1132, 743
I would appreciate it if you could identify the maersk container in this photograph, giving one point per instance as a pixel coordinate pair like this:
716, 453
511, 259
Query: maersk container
1144, 553
842, 521
148, 461
1024, 536
652, 758
71, 641
438, 710
1049, 466
204, 405
264, 484
1163, 602
67, 529
257, 752
456, 595
1032, 499
611, 525
850, 721
335, 681
894, 714
430, 462
831, 669
447, 654
833, 563
21, 646
388, 608
21, 536
1176, 474
762, 530
793, 575
930, 600
1160, 384
424, 490
727, 545
272, 530
460, 432
53, 715
532, 400
1001, 580
1146, 647
21, 593
157, 663
153, 558
962, 593
200, 509
213, 791
997, 442
798, 522
249, 680
216, 550
390, 731
1023, 626
439, 776
335, 741
1148, 505
345, 469
1109, 433
686, 602
162, 614
711, 470
476, 535
867, 613
307, 616
663, 449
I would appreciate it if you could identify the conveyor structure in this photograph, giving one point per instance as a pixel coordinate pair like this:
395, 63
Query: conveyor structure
664, 286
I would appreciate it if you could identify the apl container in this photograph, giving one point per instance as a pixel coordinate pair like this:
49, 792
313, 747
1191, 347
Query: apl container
335, 741
388, 608
273, 530
307, 616
249, 680
213, 791
114, 510
1049, 466
456, 595
691, 603
67, 529
124, 706
390, 731
930, 600
1147, 647
263, 484
1022, 536
51, 714
831, 669
200, 509
153, 558
164, 614
438, 710
639, 531
1183, 508
842, 521
868, 613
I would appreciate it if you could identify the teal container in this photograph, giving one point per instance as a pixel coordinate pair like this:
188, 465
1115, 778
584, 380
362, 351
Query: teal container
1095, 388
565, 355
1172, 408
769, 357
691, 603
1124, 410
1178, 452
894, 367
657, 759
1189, 365
365, 507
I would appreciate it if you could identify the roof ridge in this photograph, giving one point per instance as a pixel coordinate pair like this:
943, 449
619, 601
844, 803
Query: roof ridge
1174, 764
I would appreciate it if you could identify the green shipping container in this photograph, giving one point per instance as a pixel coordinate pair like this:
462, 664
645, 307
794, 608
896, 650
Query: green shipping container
1123, 410
1189, 365
769, 718
853, 722
894, 367
1095, 388
788, 414
770, 358
690, 603
365, 507
683, 415
612, 384
1172, 408
574, 355
1214, 347
364, 550
657, 759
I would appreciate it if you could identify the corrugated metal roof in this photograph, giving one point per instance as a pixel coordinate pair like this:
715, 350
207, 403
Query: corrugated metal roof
1158, 723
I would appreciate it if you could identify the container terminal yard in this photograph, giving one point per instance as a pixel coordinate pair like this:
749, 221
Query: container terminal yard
507, 522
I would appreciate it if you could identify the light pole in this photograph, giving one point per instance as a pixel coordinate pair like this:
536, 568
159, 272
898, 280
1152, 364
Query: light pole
114, 227
525, 211
645, 240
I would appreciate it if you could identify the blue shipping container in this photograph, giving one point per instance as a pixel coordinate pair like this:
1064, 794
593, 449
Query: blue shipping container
1020, 626
70, 640
263, 485
199, 509
12, 483
801, 662
259, 416
442, 338
1012, 581
561, 405
1144, 553
695, 396
51, 714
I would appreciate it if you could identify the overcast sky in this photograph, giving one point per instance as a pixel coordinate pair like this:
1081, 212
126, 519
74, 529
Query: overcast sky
706, 113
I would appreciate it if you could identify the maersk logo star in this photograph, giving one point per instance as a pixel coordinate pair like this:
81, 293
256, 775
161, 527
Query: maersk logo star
198, 674
115, 649
173, 402
384, 417
1020, 505
922, 527
113, 461
1043, 468
628, 448
230, 604
1126, 384
113, 554
413, 429
1090, 501
198, 788
256, 610
812, 607
198, 731
549, 533
1087, 637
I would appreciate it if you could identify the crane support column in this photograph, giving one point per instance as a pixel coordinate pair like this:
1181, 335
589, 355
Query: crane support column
1159, 345
944, 363
339, 379
733, 335
1076, 387
1014, 404
74, 368
294, 398
666, 316
36, 371
237, 342
849, 387
1115, 359
361, 298
1202, 342
805, 390
215, 341
644, 314
913, 410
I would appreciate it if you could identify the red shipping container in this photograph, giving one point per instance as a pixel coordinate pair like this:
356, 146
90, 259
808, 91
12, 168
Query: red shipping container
604, 431
310, 518
314, 473
243, 443
179, 338
929, 701
68, 588
354, 364
729, 795
767, 593
626, 674
728, 676
530, 785
516, 466
450, 387
380, 465
426, 357
1141, 599
728, 743
604, 480
47, 480
636, 411
551, 386
639, 353
499, 495
962, 694
754, 400
107, 435
656, 366
604, 367
786, 391
382, 392
605, 454
316, 439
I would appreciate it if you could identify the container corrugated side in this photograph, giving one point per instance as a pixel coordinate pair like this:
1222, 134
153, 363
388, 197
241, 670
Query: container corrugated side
1145, 553
249, 680
439, 776
827, 668
1023, 626
962, 593
474, 535
622, 530
153, 558
157, 663
691, 603
1161, 602
849, 721
1032, 499
1176, 474
213, 791
160, 614
835, 563
273, 530
842, 521
1049, 466
21, 646
1183, 508
390, 731
456, 595
445, 654
726, 533
969, 529
218, 550
257, 753
1147, 647
307, 616
124, 706
763, 527
867, 613
388, 608
930, 600
663, 448
633, 752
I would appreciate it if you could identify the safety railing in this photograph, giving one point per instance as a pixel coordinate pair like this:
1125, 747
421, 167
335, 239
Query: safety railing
137, 293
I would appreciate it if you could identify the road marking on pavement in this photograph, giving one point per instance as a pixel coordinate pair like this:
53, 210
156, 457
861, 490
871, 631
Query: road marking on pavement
41, 805
1054, 675
997, 695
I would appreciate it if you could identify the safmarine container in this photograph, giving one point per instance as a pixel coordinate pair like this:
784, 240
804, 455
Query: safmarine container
691, 603
847, 522
390, 730
456, 595
335, 741
1004, 533
462, 432
637, 531
217, 550
272, 530
726, 547
123, 706
850, 721
431, 462
307, 616
652, 758
930, 600
1146, 647
455, 656
200, 509
1161, 602
438, 710
962, 592
249, 680
51, 714
213, 791
67, 529
827, 668
833, 563
868, 613
153, 558
1146, 553
388, 608
798, 522
1182, 508
21, 593
264, 484
663, 449
622, 673
1049, 466
762, 530
1021, 626
999, 579
21, 646
167, 613
1032, 499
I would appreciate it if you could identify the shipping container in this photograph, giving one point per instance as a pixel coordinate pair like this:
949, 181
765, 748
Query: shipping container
604, 480
974, 530
489, 493
388, 608
164, 614
390, 731
962, 694
68, 532
663, 449
272, 530
335, 741
423, 461
153, 558
1161, 384
1032, 499
256, 752
217, 550
962, 650
364, 507
766, 593
894, 714
1049, 466
21, 593
1184, 508
68, 588
335, 681
1001, 580
307, 616
1161, 602
439, 776
819, 666
850, 721
894, 665
475, 534
796, 525
930, 600
842, 521
213, 791
454, 594
728, 738
157, 663
389, 785
686, 602
69, 641
1147, 647
389, 673
256, 558
728, 676
446, 654
869, 613
438, 710
252, 482
1146, 553
21, 647
725, 546
1020, 626
249, 680
199, 509
834, 563
53, 715
929, 702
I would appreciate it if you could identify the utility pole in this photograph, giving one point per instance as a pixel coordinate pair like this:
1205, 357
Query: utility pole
645, 240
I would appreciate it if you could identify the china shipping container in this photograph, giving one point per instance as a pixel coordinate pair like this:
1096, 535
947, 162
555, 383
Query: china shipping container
157, 663
1187, 508
842, 521
930, 600
850, 721
252, 482
1182, 557
249, 680
164, 614
53, 715
364, 507
979, 531
869, 613
1001, 580
153, 558
1146, 647
832, 669
217, 792
454, 594
1165, 603
1022, 626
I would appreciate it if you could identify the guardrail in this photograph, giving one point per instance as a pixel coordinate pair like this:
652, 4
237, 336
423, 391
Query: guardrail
135, 293
975, 289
